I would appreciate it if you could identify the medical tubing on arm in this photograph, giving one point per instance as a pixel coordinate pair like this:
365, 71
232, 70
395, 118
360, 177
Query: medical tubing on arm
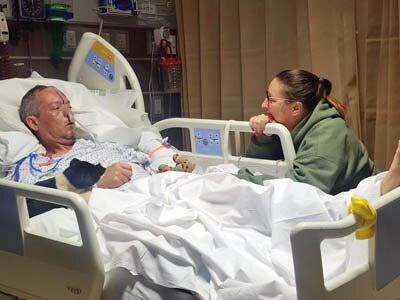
6, 168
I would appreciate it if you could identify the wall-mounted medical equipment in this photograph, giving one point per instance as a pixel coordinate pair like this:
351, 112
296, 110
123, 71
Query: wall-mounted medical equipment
165, 33
57, 10
170, 68
5, 63
4, 34
117, 7
32, 9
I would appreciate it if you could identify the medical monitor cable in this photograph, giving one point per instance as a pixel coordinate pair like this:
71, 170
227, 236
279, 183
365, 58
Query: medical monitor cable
151, 88
7, 169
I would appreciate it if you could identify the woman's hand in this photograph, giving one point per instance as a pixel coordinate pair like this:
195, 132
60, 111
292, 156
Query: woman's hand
115, 175
257, 123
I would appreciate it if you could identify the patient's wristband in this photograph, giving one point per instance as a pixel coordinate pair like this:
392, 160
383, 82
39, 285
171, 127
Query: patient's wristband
162, 146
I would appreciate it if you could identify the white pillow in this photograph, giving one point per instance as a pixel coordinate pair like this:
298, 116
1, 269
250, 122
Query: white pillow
15, 145
120, 103
90, 114
9, 119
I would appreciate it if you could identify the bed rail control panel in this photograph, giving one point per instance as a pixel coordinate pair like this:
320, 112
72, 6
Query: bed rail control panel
96, 63
208, 141
211, 144
101, 60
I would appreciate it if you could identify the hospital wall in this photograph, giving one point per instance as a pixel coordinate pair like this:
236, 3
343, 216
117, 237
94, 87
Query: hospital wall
31, 44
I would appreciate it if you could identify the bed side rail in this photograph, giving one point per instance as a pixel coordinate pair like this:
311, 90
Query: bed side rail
377, 279
211, 145
41, 267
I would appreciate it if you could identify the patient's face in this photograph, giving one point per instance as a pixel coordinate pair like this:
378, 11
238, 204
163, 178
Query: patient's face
54, 124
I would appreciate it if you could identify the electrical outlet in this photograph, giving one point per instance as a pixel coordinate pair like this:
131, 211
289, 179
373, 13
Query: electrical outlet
70, 39
157, 105
106, 36
122, 41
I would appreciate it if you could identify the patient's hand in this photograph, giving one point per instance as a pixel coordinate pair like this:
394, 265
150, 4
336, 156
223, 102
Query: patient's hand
115, 175
257, 123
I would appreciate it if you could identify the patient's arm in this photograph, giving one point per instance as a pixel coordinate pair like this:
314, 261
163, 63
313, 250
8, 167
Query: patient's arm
115, 175
391, 180
79, 177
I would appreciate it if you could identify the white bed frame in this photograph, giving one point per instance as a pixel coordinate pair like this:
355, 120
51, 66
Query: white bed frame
38, 267
377, 280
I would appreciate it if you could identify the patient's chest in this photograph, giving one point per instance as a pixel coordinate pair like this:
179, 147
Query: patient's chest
37, 167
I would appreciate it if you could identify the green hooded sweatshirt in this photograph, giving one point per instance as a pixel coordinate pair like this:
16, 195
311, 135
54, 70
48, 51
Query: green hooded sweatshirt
328, 153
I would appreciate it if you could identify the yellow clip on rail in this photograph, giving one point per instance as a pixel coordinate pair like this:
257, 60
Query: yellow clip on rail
360, 207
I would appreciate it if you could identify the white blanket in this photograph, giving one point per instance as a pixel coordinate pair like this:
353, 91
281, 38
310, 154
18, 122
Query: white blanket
217, 235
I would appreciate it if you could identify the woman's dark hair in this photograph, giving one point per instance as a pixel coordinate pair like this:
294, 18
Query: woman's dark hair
304, 86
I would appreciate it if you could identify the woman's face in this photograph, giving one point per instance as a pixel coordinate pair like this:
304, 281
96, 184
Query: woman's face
278, 107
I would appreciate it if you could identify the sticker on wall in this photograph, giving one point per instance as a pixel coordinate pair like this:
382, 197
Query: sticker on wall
208, 141
101, 59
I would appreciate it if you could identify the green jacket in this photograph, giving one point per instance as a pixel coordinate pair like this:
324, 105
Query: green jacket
328, 153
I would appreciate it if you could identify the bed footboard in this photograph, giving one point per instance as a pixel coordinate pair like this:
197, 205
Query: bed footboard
40, 267
377, 279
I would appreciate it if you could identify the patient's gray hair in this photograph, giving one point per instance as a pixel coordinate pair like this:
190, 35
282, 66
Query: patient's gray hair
28, 105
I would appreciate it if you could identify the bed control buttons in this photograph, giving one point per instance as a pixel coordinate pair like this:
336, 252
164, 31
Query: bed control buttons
208, 141
101, 60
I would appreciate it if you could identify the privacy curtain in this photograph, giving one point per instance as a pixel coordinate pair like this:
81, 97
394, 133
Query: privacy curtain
379, 76
231, 50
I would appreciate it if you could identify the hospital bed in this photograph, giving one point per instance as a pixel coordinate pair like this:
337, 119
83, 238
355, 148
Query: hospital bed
36, 266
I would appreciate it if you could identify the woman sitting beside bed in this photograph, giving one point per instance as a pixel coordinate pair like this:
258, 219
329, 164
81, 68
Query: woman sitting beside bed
328, 154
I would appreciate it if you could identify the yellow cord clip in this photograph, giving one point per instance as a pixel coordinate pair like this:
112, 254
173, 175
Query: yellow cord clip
360, 207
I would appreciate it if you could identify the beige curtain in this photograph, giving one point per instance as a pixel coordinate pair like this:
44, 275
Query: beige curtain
231, 49
379, 74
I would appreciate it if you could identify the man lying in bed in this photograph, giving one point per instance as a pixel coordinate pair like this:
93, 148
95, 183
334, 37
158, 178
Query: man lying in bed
46, 111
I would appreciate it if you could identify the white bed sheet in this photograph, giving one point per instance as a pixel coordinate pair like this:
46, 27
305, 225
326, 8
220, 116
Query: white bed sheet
217, 235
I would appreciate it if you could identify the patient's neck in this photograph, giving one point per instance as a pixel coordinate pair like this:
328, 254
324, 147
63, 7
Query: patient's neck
57, 149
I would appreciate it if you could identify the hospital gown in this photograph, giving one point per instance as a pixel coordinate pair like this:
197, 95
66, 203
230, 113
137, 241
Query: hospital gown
38, 167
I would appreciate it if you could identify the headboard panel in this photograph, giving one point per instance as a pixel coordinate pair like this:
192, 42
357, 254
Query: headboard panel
97, 64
